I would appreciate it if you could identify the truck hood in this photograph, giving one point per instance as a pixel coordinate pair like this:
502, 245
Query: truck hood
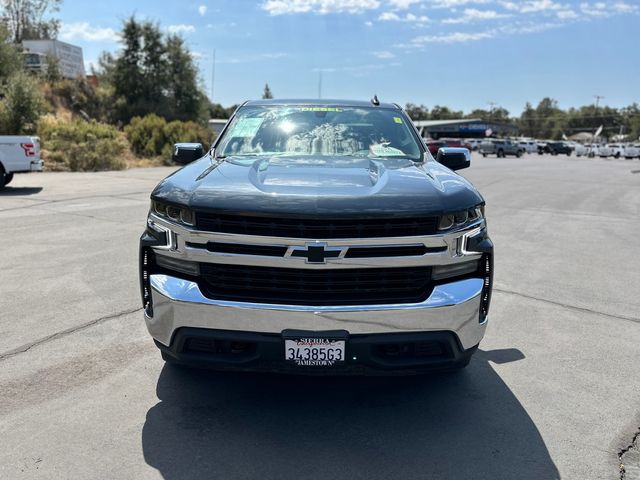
321, 186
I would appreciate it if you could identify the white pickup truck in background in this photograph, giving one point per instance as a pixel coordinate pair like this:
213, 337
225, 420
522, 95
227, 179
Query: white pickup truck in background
18, 154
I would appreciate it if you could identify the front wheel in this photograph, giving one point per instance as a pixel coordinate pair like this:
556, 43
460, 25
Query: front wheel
500, 154
484, 155
518, 154
7, 178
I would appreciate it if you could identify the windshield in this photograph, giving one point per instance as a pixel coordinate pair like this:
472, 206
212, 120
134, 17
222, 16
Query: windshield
319, 131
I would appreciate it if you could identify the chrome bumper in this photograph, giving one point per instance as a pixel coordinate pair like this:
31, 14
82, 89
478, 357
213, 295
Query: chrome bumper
451, 307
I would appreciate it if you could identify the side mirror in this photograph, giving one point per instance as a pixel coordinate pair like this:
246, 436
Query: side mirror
184, 153
454, 158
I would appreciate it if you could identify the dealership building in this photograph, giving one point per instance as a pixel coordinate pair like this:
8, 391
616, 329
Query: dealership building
463, 128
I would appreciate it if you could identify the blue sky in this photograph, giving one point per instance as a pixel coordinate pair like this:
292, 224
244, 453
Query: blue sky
459, 53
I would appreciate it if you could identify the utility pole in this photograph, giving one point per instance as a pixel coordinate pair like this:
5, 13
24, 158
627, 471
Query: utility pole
598, 97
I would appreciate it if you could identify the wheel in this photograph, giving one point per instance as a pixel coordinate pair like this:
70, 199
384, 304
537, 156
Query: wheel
568, 154
617, 155
484, 155
500, 153
7, 178
518, 154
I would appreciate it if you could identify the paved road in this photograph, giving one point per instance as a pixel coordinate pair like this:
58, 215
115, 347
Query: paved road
553, 392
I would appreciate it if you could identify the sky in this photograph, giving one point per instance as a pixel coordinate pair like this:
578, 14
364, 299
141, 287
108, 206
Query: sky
464, 54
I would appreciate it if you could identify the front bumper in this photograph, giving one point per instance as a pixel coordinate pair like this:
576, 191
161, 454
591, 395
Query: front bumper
451, 307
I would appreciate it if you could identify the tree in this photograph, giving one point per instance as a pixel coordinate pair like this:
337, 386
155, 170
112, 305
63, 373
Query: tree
417, 112
29, 19
186, 99
21, 106
153, 74
266, 94
215, 110
10, 58
53, 73
444, 113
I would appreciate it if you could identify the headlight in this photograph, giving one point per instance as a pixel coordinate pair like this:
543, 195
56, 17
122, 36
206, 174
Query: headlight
457, 220
173, 213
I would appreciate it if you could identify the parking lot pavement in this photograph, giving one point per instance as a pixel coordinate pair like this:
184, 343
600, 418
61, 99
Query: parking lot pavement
552, 393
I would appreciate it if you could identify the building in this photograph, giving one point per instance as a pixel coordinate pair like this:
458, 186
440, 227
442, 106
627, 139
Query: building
69, 57
464, 128
217, 124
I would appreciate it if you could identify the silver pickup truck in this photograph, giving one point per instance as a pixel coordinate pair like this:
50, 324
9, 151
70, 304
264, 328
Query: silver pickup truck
500, 148
18, 154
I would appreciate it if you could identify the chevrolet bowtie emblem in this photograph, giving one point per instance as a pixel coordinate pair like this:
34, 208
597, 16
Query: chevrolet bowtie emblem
316, 252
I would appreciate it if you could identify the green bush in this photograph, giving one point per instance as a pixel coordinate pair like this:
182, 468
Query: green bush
152, 136
21, 104
84, 99
81, 146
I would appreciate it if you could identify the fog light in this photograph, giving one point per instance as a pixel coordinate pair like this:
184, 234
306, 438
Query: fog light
454, 270
190, 268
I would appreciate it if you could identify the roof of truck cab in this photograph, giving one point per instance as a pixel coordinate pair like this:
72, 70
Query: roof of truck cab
320, 103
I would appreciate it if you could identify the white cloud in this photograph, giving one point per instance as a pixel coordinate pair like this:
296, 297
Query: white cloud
181, 28
85, 31
384, 54
472, 15
282, 7
452, 4
368, 23
601, 9
409, 17
533, 6
566, 14
456, 37
403, 4
202, 10
622, 7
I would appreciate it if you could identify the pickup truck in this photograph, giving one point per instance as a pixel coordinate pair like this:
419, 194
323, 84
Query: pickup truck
557, 148
18, 154
317, 237
500, 148
615, 150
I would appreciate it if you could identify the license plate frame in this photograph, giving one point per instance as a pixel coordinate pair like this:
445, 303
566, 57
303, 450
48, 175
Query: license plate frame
315, 349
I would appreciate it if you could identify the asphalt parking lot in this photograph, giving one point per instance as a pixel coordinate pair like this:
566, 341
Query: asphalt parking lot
554, 391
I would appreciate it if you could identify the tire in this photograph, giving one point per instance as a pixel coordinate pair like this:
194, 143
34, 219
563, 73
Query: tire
7, 178
500, 154
484, 155
568, 154
518, 154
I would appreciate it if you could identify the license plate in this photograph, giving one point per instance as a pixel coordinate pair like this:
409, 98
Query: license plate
314, 352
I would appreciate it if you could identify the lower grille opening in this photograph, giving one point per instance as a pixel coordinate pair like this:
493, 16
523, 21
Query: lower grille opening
412, 350
219, 347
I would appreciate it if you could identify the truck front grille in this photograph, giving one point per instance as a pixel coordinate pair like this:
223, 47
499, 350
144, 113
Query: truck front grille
316, 228
315, 287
